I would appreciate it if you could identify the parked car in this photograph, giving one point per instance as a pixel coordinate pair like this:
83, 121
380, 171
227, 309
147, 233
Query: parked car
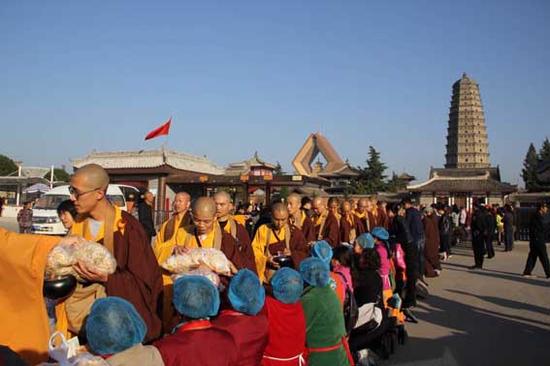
45, 219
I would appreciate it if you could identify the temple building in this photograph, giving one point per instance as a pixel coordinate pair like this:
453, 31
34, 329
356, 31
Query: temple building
468, 176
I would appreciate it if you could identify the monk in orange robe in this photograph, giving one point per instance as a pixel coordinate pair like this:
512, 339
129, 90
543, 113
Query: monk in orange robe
298, 217
327, 224
137, 278
23, 318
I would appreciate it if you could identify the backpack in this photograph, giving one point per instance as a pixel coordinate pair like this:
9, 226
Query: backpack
351, 311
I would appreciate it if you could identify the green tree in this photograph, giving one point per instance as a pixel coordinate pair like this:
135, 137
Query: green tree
59, 175
371, 178
7, 166
529, 171
278, 171
544, 153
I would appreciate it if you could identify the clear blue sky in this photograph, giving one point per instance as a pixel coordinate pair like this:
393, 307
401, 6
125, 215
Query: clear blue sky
241, 76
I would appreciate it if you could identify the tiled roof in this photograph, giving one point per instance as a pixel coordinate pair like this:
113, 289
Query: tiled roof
463, 184
150, 159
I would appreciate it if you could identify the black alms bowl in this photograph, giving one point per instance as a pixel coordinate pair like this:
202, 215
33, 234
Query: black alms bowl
284, 261
60, 287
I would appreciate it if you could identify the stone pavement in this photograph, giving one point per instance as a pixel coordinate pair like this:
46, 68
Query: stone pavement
9, 223
482, 317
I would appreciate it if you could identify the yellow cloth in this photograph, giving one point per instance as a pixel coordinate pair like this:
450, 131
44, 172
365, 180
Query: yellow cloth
241, 219
81, 228
163, 249
24, 322
258, 246
189, 240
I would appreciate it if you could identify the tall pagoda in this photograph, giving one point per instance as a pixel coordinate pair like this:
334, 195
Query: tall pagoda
468, 176
467, 143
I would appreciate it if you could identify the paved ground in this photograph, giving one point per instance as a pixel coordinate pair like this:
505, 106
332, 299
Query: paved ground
9, 223
488, 317
483, 317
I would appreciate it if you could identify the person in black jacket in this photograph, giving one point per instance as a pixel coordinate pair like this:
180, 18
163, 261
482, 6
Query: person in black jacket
489, 232
538, 232
445, 229
508, 228
145, 213
413, 218
478, 236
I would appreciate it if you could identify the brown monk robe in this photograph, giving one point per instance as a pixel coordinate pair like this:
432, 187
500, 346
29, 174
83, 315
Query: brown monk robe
278, 237
207, 233
372, 214
432, 266
327, 225
298, 217
224, 206
361, 214
350, 226
164, 246
137, 278
383, 219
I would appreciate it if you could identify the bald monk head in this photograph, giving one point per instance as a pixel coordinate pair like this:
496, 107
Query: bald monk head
333, 205
293, 203
204, 215
279, 215
345, 207
318, 206
182, 201
88, 189
361, 206
224, 205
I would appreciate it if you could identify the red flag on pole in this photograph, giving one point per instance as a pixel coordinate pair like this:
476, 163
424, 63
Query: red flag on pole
164, 129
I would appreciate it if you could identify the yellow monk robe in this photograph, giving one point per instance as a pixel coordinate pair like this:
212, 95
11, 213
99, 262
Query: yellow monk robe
163, 249
81, 229
241, 219
23, 319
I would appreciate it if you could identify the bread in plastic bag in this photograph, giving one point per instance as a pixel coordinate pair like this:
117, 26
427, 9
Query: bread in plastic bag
212, 258
95, 256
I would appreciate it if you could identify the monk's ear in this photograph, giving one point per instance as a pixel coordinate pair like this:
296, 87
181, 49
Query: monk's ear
100, 194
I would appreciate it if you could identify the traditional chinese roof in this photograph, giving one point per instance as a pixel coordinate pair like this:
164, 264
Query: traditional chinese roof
150, 159
472, 180
344, 171
244, 167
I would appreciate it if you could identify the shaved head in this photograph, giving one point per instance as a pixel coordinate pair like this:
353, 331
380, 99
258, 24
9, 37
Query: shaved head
92, 176
279, 215
183, 195
278, 207
204, 215
224, 205
318, 205
222, 195
182, 201
294, 201
204, 207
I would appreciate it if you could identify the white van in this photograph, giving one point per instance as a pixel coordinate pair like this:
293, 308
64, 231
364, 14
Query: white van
44, 212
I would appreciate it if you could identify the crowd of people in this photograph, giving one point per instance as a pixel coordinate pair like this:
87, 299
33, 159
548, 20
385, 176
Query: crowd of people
313, 282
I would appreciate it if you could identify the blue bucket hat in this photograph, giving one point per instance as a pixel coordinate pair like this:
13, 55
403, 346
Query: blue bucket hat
246, 293
365, 241
322, 250
113, 326
196, 297
287, 285
315, 272
380, 233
